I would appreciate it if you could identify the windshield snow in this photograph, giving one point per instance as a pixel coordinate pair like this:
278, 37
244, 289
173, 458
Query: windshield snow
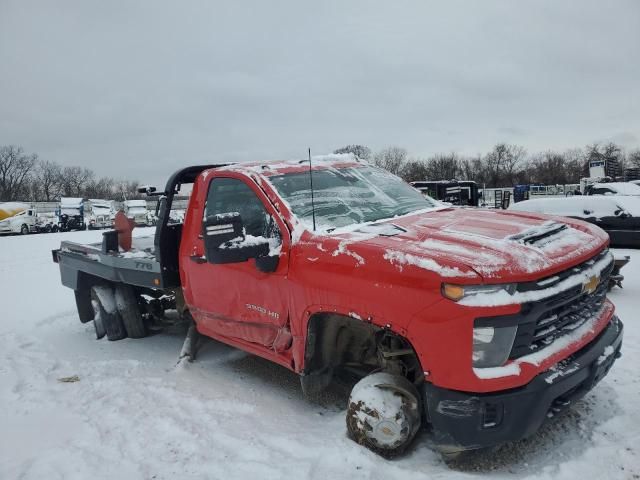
350, 195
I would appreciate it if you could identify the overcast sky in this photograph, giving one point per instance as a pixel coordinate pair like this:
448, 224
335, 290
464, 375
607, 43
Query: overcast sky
139, 89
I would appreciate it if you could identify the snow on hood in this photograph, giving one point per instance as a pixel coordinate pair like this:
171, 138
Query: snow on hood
492, 244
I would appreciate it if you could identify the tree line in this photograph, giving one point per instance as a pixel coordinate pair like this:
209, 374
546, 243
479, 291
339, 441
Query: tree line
26, 177
504, 166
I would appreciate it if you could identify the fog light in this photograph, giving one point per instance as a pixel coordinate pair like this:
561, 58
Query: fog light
492, 345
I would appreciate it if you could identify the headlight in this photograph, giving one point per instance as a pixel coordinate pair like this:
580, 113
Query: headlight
458, 292
492, 345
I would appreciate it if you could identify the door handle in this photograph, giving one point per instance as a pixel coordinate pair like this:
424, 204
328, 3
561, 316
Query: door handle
198, 259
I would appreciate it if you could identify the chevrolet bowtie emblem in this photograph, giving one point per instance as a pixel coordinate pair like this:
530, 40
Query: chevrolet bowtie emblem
590, 285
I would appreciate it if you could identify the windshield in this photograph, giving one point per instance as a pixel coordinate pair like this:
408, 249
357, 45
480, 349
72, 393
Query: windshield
349, 195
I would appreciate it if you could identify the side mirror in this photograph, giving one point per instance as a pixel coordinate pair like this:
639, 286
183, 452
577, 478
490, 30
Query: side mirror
225, 241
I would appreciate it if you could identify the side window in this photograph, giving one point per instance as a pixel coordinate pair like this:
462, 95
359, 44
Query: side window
228, 195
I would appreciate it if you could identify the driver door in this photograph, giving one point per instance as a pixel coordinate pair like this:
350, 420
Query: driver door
237, 300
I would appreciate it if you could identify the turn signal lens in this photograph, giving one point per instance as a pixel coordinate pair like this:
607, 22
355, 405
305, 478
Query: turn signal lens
458, 292
452, 292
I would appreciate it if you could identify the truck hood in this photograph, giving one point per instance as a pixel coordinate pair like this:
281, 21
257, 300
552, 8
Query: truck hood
469, 242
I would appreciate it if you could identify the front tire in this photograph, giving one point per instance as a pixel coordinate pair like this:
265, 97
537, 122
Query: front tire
105, 310
24, 230
129, 310
384, 413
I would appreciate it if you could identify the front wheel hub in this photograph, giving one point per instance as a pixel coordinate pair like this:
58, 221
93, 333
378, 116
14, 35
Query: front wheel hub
383, 413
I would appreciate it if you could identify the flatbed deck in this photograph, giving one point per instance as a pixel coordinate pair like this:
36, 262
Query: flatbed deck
138, 266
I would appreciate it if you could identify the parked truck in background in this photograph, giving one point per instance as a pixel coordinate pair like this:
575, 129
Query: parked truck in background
137, 211
17, 217
477, 323
100, 214
71, 214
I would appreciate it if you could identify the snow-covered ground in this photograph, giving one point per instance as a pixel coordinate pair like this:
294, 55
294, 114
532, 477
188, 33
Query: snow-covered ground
133, 414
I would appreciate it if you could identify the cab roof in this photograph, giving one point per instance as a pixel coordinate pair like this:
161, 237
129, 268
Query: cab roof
281, 167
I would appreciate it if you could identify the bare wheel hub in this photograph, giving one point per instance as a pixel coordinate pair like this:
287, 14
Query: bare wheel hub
387, 432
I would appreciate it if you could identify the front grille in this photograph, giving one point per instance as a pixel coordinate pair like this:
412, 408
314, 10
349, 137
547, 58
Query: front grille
541, 323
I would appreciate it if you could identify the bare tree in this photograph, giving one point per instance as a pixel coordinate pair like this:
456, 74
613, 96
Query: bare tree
414, 170
359, 151
75, 181
503, 164
473, 168
513, 163
391, 159
15, 167
443, 167
127, 190
101, 188
48, 177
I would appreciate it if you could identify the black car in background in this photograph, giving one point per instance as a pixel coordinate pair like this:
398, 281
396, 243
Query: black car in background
619, 216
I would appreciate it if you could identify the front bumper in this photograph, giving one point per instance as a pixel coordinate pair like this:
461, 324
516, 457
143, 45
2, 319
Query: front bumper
464, 421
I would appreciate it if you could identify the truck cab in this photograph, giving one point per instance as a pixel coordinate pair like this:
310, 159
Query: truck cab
137, 211
18, 218
101, 214
71, 214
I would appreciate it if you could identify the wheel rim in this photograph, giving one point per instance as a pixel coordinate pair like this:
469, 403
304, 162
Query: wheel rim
384, 415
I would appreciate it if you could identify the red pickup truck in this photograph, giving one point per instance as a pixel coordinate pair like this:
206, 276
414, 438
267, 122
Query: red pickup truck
477, 323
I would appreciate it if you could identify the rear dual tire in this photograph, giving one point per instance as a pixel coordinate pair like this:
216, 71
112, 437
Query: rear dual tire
116, 312
129, 309
106, 318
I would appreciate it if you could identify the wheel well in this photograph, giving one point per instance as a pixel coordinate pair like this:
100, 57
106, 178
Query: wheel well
338, 341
